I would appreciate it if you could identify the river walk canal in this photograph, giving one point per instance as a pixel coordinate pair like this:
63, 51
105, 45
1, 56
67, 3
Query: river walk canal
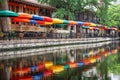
66, 62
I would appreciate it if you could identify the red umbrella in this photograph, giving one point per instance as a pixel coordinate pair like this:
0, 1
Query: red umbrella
47, 19
41, 22
86, 23
20, 20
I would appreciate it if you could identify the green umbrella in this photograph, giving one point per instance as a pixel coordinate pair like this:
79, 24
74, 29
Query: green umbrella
65, 22
60, 25
85, 27
7, 13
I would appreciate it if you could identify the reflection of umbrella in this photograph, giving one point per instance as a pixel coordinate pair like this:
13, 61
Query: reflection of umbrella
6, 13
24, 15
36, 17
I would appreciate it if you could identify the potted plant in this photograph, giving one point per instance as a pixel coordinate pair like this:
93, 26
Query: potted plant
13, 35
1, 34
20, 35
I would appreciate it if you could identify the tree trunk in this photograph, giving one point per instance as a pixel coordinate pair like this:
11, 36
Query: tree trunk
4, 21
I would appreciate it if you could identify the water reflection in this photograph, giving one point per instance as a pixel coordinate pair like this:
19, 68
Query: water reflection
65, 64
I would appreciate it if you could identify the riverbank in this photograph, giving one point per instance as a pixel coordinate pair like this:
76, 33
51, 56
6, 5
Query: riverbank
12, 44
45, 50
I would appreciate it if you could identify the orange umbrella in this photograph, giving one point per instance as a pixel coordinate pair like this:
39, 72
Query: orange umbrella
86, 23
118, 30
72, 22
24, 15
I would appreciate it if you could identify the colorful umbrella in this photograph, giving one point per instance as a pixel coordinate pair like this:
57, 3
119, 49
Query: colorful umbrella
24, 15
41, 22
72, 22
92, 24
65, 22
80, 23
36, 17
47, 19
33, 22
7, 13
85, 27
20, 20
86, 24
57, 21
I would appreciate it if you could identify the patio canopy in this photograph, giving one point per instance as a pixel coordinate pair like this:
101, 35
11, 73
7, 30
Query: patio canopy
7, 13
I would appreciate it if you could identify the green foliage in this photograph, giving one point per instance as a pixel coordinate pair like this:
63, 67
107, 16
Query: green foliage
110, 64
1, 32
1, 1
113, 16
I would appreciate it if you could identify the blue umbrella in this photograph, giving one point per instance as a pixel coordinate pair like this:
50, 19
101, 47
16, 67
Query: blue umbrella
36, 17
33, 22
80, 23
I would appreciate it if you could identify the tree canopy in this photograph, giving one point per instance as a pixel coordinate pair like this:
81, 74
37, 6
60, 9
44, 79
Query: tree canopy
69, 8
113, 16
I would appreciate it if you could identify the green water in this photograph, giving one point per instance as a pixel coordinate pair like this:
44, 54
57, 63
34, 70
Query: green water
94, 71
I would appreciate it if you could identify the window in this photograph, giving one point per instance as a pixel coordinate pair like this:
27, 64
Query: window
17, 9
9, 7
12, 8
30, 11
34, 11
24, 10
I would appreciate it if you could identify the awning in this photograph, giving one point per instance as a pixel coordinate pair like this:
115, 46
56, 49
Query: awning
36, 17
7, 13
24, 15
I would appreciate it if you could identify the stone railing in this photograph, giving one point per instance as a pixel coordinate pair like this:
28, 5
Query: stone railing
47, 42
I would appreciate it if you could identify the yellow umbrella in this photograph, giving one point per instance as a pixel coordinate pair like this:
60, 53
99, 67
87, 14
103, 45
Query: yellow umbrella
57, 21
48, 23
92, 24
